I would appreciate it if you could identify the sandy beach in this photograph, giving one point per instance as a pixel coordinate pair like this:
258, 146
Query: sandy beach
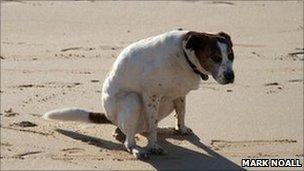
57, 54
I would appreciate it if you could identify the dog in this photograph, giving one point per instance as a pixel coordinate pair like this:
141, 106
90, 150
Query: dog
150, 79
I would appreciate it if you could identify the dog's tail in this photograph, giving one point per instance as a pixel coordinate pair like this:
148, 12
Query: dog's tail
76, 114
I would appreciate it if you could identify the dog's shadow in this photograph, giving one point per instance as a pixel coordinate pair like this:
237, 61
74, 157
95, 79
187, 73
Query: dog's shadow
178, 158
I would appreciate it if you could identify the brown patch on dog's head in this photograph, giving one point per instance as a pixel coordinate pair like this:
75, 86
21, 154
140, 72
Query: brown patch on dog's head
227, 38
205, 47
207, 50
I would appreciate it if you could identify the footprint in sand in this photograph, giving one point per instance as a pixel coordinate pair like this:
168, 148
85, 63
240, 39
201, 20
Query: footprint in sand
10, 113
272, 84
24, 124
295, 80
22, 155
48, 85
94, 81
223, 2
296, 55
45, 97
244, 148
224, 143
72, 150
273, 87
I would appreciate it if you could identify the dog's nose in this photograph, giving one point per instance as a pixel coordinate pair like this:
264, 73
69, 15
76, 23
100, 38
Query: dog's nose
229, 75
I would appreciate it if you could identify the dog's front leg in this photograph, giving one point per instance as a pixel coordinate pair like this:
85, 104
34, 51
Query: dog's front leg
180, 109
151, 103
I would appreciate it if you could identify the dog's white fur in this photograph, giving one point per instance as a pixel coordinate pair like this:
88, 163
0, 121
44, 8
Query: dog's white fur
149, 79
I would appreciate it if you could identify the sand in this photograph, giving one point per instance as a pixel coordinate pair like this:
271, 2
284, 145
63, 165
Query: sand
57, 54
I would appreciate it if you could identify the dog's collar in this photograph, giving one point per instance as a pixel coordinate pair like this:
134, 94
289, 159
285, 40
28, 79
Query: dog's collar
203, 76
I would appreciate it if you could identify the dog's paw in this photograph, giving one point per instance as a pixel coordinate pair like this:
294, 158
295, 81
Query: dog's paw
157, 150
183, 131
140, 154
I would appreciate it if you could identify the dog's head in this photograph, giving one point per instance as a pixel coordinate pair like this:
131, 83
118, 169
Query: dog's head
213, 52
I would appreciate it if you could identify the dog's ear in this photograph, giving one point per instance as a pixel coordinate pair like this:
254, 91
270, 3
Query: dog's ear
197, 40
226, 36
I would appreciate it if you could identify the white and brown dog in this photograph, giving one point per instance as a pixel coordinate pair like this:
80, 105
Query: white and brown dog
151, 78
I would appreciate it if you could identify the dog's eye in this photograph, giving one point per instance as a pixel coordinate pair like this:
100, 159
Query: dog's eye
231, 56
216, 59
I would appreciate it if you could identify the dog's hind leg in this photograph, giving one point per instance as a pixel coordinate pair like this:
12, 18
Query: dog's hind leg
130, 109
